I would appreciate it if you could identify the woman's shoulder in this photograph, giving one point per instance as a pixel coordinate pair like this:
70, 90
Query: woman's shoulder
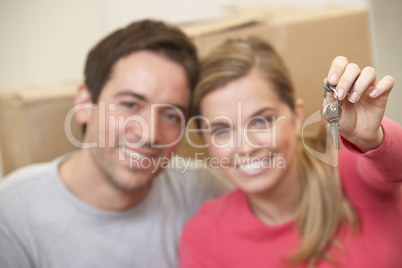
202, 230
200, 239
218, 209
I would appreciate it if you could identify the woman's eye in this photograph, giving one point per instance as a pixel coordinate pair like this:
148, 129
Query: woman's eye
220, 131
261, 122
131, 105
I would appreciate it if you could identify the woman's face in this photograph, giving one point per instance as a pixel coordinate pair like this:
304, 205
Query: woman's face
252, 134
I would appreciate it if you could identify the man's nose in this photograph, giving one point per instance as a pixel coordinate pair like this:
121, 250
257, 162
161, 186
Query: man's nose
142, 129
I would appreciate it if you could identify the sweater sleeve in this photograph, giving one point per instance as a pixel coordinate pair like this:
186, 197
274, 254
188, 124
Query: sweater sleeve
374, 176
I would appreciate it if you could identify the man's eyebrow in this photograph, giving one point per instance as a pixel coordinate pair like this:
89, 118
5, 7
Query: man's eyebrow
131, 94
143, 98
181, 108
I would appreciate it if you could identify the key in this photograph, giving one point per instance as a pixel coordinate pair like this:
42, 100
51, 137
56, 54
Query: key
333, 113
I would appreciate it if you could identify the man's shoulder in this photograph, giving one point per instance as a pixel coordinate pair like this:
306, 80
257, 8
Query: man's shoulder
26, 177
192, 184
188, 173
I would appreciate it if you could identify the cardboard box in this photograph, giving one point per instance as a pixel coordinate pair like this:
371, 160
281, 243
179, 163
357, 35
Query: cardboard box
32, 124
307, 39
32, 118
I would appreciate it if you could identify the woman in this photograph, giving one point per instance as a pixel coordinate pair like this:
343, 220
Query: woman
290, 209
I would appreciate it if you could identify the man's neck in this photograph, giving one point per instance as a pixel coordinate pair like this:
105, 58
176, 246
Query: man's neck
90, 186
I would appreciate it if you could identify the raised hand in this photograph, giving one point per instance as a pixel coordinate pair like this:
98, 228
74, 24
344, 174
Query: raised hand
363, 108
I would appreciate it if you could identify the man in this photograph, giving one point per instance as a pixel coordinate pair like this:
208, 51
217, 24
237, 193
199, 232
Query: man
112, 203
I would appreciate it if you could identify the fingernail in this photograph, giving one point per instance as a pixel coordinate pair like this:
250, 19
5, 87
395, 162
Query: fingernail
341, 94
373, 93
333, 78
353, 97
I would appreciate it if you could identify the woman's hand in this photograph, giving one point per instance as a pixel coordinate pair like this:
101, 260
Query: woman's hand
363, 108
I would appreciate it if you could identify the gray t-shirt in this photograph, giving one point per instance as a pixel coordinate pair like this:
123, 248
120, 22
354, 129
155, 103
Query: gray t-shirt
43, 224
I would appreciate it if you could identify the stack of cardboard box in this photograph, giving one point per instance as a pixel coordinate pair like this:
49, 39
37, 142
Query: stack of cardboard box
32, 118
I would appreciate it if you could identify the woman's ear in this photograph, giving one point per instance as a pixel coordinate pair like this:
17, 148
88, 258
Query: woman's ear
298, 115
83, 104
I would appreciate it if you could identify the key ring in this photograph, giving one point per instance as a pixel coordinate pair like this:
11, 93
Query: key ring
333, 89
328, 88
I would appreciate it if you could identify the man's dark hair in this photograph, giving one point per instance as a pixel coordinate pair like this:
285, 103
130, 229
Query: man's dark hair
151, 35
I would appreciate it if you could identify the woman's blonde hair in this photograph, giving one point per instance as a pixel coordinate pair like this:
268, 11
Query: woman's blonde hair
324, 208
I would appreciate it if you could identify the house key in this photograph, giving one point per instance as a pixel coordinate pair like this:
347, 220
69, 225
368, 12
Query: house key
333, 113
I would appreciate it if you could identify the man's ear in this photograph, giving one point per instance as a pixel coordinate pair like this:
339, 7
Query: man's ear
298, 115
83, 104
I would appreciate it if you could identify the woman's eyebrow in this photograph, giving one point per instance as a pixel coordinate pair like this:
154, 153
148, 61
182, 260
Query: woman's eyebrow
262, 110
219, 124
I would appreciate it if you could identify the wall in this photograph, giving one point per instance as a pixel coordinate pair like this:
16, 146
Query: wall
386, 22
47, 40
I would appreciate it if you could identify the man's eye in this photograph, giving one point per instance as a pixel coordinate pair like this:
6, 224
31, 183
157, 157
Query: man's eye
172, 117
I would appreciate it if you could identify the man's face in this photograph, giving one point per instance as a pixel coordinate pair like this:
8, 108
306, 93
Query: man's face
139, 119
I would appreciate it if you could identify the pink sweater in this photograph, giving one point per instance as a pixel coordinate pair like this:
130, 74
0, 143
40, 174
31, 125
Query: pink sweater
225, 233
